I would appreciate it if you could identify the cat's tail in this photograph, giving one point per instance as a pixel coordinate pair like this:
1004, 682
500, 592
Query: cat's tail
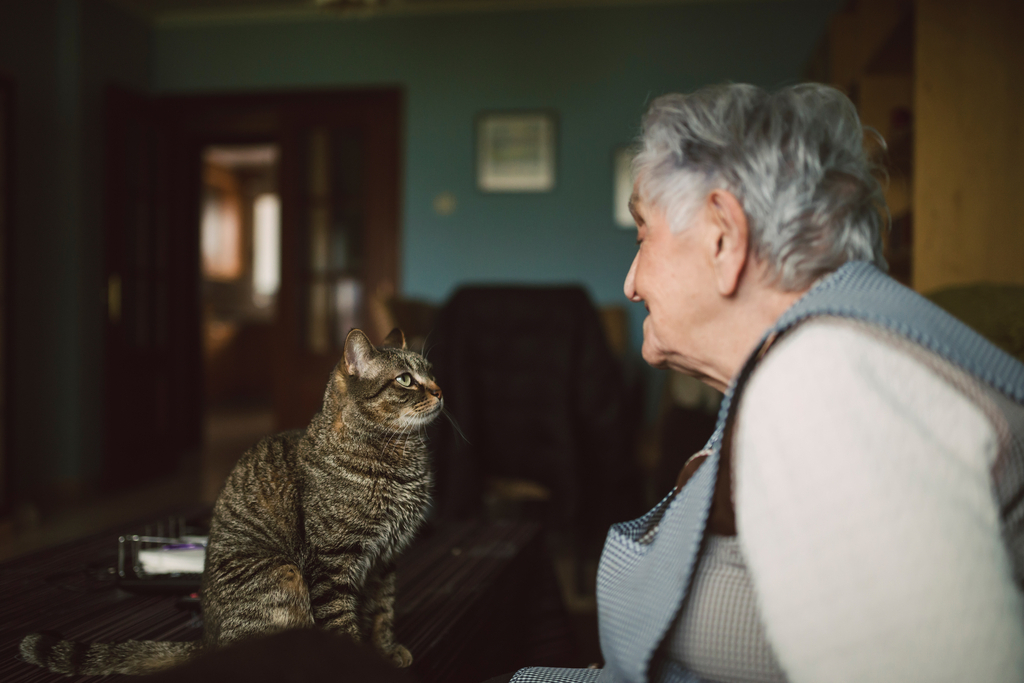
126, 658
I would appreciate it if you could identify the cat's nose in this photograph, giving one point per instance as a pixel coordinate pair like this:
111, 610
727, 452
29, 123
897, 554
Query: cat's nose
434, 389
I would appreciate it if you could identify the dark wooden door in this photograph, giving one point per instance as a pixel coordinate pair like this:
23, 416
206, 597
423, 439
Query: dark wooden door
339, 241
151, 341
340, 209
6, 217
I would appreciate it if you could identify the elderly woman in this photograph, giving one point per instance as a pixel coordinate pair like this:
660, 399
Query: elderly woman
858, 513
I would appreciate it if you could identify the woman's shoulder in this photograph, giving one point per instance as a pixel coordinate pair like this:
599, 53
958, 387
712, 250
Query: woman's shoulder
835, 342
834, 355
841, 379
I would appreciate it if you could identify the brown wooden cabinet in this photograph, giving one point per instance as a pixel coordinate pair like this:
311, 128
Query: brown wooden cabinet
868, 52
943, 81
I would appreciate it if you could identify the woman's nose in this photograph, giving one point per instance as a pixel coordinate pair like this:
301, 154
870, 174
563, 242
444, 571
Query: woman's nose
629, 287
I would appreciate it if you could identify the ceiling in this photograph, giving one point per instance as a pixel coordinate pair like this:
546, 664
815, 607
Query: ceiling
203, 11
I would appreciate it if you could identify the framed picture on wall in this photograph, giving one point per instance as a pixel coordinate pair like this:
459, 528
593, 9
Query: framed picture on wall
515, 151
622, 186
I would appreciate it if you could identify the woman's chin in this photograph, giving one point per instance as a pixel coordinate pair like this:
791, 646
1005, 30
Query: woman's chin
653, 354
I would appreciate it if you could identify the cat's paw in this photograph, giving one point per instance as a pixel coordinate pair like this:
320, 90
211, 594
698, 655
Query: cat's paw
400, 656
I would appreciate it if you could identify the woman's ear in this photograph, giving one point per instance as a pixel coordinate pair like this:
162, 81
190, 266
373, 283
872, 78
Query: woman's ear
732, 240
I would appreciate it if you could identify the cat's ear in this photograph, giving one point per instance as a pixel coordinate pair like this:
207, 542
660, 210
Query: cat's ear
395, 338
358, 352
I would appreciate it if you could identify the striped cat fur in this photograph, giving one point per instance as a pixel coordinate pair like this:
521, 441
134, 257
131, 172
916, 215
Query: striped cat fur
309, 523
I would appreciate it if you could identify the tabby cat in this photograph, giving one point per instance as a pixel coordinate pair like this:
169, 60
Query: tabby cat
309, 523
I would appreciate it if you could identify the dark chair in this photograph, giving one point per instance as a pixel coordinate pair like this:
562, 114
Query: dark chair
545, 413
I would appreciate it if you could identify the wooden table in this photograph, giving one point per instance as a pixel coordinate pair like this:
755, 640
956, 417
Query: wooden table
475, 599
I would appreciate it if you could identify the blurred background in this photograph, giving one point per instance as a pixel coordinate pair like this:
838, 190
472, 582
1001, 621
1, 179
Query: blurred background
198, 198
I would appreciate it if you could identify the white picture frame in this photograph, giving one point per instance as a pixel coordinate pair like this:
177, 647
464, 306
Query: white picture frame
515, 151
622, 186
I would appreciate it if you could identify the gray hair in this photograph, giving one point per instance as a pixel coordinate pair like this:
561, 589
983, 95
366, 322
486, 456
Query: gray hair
794, 159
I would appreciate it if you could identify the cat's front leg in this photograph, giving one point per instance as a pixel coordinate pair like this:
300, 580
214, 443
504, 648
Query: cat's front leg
335, 595
380, 610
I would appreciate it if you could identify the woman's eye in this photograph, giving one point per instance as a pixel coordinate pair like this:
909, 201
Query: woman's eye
405, 380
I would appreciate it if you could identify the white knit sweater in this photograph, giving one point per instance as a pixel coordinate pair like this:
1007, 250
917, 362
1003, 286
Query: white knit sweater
866, 515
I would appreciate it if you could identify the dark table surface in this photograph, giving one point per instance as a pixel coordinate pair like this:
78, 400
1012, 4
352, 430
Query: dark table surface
475, 599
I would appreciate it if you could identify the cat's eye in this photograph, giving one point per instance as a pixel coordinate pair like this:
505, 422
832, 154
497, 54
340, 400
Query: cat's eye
405, 380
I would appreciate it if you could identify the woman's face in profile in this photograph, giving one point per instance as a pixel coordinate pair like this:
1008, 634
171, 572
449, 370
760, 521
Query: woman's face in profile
672, 276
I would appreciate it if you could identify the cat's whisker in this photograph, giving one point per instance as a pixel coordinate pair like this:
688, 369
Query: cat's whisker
455, 425
394, 433
405, 435
426, 351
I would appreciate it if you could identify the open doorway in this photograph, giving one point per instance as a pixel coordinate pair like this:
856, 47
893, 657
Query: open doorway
240, 257
245, 234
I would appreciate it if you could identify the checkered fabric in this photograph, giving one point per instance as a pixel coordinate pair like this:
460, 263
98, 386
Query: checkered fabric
719, 633
555, 674
647, 563
641, 585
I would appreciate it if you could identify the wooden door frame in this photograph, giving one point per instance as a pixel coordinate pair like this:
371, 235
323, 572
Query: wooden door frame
202, 119
296, 364
7, 161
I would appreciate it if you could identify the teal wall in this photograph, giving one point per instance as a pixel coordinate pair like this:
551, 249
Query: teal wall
596, 67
